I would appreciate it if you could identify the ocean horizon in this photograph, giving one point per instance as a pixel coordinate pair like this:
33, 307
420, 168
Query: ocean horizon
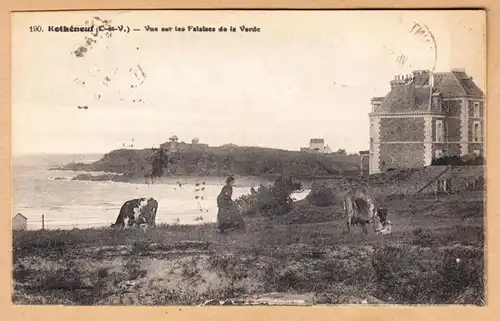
68, 204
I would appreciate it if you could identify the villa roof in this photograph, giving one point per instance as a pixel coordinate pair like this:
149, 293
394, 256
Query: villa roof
404, 98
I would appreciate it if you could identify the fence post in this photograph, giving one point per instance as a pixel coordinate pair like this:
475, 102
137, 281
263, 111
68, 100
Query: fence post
43, 222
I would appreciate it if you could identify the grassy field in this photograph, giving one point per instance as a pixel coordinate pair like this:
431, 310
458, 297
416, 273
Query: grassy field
434, 255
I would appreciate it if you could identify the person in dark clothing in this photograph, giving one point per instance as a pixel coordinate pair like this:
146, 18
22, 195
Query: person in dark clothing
228, 215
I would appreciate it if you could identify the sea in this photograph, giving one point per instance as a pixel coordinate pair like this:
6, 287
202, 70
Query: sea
67, 204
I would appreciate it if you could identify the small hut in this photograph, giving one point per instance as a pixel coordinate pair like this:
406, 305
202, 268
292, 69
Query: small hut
20, 222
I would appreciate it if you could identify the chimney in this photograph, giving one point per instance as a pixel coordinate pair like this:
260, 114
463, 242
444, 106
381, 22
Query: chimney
394, 82
458, 70
421, 77
400, 80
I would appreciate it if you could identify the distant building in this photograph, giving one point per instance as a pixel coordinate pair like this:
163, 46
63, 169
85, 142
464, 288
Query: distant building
182, 146
19, 222
317, 144
424, 117
170, 146
173, 145
195, 144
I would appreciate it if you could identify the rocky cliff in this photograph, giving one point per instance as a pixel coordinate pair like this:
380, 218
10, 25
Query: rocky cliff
133, 164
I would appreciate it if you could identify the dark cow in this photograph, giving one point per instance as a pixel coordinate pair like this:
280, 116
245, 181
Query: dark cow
139, 211
362, 208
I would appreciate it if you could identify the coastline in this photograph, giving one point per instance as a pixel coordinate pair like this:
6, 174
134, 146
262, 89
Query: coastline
242, 181
248, 163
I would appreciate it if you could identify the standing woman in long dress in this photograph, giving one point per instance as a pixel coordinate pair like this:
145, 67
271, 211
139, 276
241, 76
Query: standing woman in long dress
228, 215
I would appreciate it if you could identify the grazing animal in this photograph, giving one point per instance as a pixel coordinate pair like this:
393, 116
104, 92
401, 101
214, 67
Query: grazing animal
139, 211
362, 208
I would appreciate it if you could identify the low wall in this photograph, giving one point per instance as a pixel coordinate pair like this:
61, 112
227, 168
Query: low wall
411, 181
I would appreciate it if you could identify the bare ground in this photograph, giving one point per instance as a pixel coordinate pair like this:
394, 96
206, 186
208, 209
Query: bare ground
434, 255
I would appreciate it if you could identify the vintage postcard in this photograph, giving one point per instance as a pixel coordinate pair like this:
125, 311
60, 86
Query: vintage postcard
233, 158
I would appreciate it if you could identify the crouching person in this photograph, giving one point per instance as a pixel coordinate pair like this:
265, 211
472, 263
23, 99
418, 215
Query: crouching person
228, 216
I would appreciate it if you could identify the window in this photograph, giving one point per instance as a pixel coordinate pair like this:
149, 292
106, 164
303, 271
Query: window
446, 106
439, 131
439, 153
476, 132
476, 109
477, 152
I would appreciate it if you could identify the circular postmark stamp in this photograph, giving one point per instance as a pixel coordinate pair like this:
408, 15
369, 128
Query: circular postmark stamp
412, 47
98, 76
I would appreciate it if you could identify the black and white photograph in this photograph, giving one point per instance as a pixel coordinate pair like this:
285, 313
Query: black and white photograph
248, 157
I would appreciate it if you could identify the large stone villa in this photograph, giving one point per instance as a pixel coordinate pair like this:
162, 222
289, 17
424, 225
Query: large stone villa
426, 116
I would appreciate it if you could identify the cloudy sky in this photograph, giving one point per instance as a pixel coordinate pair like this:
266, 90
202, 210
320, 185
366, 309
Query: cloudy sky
305, 74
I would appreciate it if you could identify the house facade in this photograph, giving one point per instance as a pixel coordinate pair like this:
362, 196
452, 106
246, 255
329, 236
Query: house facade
426, 116
317, 144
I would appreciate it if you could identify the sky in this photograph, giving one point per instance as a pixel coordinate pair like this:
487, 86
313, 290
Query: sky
305, 74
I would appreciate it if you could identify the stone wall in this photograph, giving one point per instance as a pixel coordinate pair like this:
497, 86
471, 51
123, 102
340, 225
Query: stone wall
470, 106
471, 129
436, 146
453, 149
454, 107
477, 146
453, 128
472, 119
410, 181
449, 149
464, 176
433, 128
401, 155
408, 129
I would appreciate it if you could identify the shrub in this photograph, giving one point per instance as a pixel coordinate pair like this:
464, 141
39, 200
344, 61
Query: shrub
321, 196
271, 199
459, 161
249, 204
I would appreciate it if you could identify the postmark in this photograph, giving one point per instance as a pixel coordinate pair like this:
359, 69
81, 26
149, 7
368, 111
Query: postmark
106, 82
413, 47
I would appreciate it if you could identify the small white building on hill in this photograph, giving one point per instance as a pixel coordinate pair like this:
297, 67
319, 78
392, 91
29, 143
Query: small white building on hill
317, 145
